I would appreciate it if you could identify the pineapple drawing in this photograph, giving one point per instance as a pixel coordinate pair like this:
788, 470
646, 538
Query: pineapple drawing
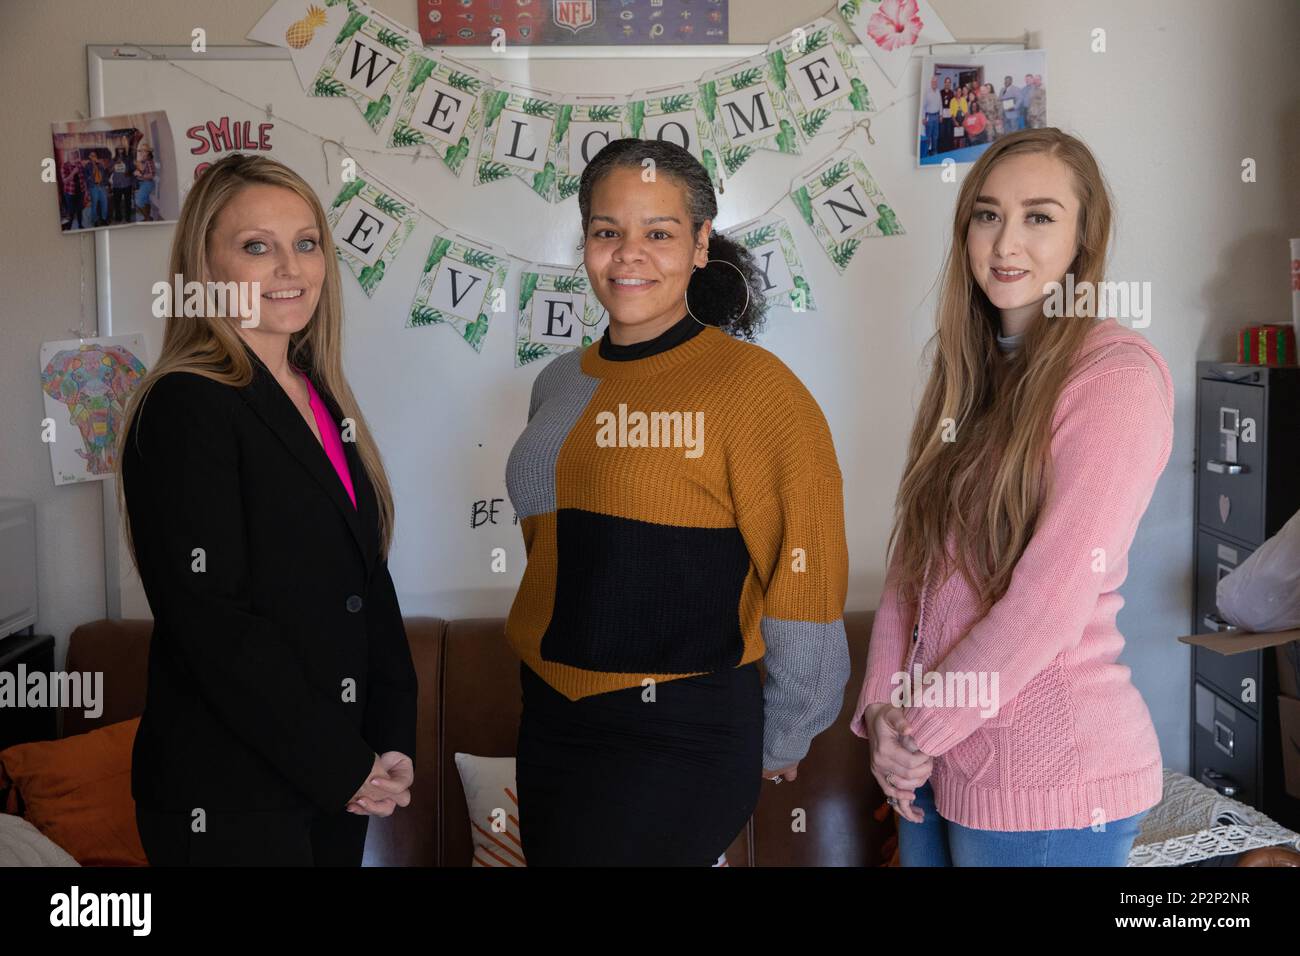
300, 33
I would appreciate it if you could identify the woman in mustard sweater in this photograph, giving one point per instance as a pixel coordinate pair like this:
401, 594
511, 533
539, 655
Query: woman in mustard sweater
681, 506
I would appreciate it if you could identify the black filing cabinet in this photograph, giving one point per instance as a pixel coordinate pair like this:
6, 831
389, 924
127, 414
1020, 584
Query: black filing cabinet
22, 655
1247, 485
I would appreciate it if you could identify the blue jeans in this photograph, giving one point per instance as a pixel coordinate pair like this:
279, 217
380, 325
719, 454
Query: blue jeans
931, 133
143, 190
939, 842
98, 204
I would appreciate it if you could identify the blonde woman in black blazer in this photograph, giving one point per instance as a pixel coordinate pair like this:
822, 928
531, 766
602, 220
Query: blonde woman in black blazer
280, 712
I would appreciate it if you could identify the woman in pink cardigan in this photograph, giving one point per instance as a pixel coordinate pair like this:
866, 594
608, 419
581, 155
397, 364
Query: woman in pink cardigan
1001, 726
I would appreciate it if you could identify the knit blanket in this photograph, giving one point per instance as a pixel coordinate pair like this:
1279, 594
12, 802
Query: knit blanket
1194, 822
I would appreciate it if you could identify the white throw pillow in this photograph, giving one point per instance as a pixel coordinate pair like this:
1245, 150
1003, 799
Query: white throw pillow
489, 784
21, 844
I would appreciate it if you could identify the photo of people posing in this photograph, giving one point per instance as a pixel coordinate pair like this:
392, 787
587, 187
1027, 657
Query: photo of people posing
115, 171
969, 103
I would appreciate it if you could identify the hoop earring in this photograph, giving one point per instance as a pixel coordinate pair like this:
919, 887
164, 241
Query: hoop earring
743, 281
573, 274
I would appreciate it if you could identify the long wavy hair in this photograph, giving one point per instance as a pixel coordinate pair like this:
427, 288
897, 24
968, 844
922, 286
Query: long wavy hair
210, 346
715, 294
987, 486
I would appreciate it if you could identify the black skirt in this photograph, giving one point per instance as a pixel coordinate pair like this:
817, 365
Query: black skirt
612, 780
253, 838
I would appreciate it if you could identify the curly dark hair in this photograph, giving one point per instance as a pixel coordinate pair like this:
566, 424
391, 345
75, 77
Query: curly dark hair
715, 293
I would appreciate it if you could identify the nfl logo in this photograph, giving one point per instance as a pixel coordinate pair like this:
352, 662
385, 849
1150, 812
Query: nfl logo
574, 15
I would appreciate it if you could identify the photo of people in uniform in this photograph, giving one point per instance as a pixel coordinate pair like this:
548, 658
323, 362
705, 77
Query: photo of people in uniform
968, 103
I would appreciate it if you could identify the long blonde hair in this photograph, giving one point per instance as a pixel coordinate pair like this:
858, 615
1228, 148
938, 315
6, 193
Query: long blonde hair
209, 345
988, 485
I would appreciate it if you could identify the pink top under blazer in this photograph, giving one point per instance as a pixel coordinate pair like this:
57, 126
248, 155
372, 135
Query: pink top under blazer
329, 433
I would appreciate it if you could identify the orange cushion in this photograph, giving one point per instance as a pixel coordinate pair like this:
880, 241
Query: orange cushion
77, 791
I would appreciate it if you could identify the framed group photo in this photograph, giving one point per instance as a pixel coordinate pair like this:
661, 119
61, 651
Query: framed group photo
967, 103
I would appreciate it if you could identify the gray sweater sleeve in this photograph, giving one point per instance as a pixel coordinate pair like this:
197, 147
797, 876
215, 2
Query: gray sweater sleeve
807, 669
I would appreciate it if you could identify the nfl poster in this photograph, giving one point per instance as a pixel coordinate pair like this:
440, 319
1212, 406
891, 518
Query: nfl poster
572, 22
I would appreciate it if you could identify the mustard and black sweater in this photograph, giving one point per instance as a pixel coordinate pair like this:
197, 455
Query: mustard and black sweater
682, 511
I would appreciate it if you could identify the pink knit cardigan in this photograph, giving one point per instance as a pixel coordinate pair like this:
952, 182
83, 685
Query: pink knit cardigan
1072, 743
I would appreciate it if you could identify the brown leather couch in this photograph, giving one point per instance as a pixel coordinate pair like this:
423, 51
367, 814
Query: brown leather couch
470, 703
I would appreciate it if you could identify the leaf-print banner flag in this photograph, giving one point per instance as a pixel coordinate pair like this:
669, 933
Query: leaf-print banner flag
779, 99
842, 205
680, 114
518, 137
582, 128
306, 28
816, 70
441, 106
769, 240
463, 284
747, 105
370, 222
557, 311
367, 63
891, 29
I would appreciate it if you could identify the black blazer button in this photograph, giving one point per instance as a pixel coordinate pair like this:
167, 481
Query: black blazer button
354, 603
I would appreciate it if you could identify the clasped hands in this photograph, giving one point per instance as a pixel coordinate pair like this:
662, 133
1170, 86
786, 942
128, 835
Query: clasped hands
387, 787
898, 765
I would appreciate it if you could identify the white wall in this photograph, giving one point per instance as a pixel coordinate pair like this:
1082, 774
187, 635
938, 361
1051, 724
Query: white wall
1180, 98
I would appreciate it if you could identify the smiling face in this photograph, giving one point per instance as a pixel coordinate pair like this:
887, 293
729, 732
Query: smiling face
639, 251
1023, 234
268, 234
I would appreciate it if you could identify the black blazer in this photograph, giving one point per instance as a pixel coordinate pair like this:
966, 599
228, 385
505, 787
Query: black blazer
279, 663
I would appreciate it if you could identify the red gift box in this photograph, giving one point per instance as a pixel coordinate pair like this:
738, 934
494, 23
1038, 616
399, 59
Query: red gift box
1266, 345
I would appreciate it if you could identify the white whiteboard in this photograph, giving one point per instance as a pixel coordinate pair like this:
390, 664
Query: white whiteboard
446, 417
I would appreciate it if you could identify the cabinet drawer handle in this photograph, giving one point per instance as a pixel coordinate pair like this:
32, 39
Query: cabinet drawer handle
1224, 467
1219, 781
1226, 735
1213, 622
